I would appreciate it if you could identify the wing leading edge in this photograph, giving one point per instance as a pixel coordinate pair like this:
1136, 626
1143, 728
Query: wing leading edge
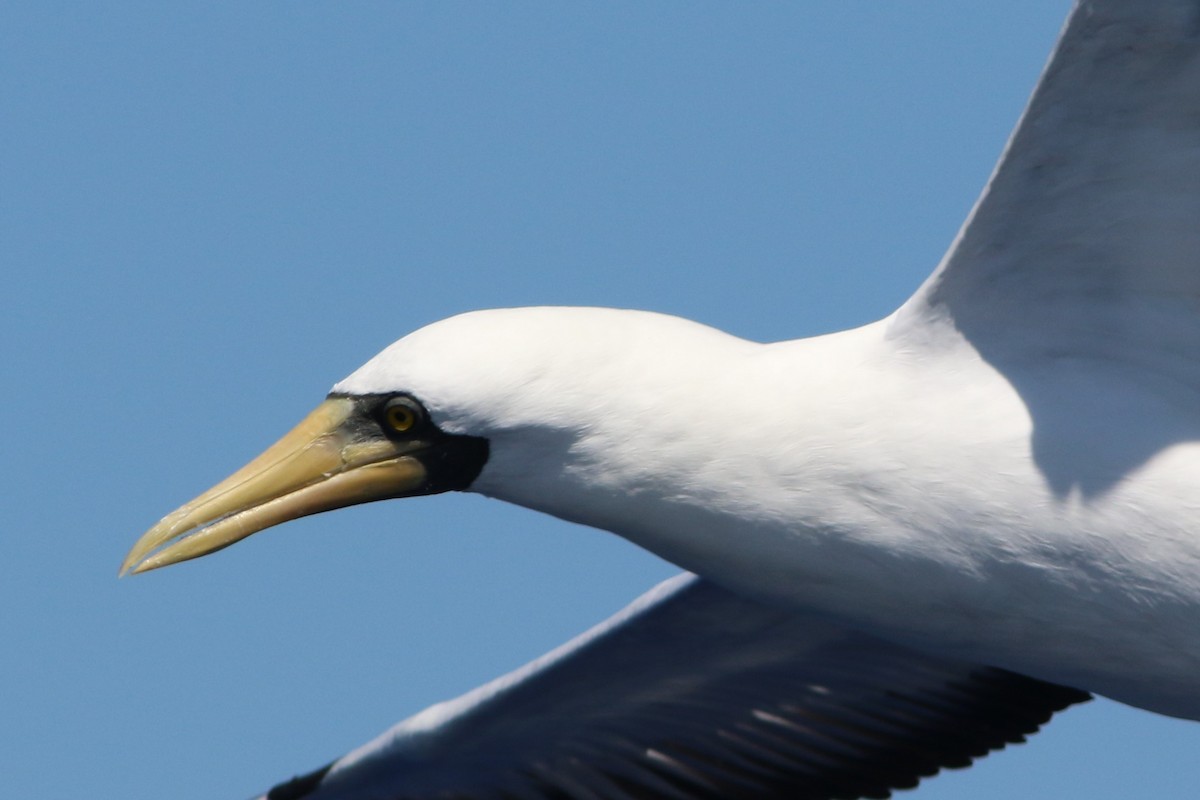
1086, 242
694, 692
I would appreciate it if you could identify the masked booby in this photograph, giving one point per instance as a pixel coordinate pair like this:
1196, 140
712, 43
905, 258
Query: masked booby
904, 542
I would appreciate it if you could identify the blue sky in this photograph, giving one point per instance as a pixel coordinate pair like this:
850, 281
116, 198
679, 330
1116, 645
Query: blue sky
211, 212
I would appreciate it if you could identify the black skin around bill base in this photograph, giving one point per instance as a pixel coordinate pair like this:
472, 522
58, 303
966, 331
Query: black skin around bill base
452, 462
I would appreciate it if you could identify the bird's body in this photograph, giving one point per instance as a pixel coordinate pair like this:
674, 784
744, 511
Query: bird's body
730, 459
912, 536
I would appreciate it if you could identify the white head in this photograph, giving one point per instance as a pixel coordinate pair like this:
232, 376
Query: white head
558, 409
550, 388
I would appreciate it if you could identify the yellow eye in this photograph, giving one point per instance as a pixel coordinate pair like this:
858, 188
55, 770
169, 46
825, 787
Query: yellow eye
400, 416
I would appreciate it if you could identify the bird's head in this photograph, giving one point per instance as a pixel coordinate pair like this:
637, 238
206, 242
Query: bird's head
483, 401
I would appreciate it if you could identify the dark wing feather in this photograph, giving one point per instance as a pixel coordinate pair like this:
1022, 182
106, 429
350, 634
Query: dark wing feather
693, 692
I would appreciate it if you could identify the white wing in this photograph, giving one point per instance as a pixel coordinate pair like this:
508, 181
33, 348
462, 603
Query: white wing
1086, 241
693, 692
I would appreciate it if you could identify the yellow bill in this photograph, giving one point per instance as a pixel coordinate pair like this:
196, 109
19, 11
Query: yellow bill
330, 460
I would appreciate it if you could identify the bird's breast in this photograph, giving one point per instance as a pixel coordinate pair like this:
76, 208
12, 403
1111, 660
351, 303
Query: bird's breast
982, 515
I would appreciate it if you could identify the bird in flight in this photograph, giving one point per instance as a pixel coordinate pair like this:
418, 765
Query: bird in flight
906, 544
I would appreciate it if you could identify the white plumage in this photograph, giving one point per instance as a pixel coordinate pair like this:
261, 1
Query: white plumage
1001, 476
854, 474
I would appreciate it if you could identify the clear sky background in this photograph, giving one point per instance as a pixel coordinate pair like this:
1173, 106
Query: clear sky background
212, 211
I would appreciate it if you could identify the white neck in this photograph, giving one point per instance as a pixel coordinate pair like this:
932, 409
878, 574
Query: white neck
692, 459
